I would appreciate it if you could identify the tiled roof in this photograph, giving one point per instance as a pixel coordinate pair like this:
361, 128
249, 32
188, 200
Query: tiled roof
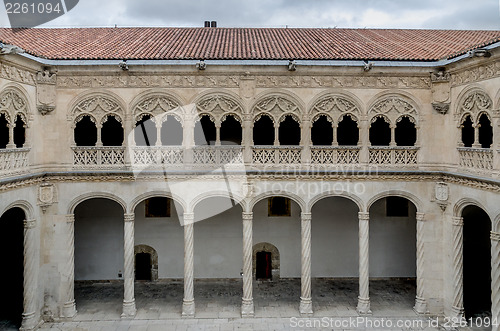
247, 43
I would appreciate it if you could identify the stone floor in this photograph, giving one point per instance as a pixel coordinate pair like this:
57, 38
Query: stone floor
218, 306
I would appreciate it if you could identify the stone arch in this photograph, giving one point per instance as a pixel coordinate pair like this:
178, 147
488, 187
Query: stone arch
95, 195
13, 102
461, 204
496, 224
176, 199
154, 258
393, 104
276, 105
473, 101
239, 200
25, 206
99, 104
335, 105
219, 104
330, 194
157, 103
403, 194
275, 259
298, 200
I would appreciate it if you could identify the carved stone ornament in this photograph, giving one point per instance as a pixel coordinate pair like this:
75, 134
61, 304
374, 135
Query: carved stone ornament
440, 76
441, 192
47, 196
46, 92
441, 107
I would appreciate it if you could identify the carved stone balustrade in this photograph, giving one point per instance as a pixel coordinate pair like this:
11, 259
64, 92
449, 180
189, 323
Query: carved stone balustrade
335, 154
14, 161
276, 155
476, 158
99, 157
393, 156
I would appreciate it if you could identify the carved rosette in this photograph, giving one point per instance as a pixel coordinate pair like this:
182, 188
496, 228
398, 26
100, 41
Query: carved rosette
363, 307
305, 297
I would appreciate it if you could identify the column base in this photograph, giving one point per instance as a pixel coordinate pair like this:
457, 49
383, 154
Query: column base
188, 308
420, 306
129, 310
363, 307
69, 309
247, 309
30, 322
10, 146
306, 307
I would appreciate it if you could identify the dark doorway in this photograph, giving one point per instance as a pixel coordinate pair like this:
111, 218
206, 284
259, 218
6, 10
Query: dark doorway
11, 277
289, 132
322, 132
263, 132
263, 266
348, 132
406, 132
85, 132
477, 262
112, 132
380, 133
230, 131
4, 131
485, 131
143, 266
204, 131
19, 132
467, 132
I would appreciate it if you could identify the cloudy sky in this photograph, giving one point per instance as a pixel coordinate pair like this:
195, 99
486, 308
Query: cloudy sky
437, 14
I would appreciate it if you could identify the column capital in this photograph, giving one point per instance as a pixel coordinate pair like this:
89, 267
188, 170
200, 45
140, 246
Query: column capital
457, 221
364, 216
420, 217
129, 217
306, 216
247, 216
495, 236
188, 218
29, 224
70, 218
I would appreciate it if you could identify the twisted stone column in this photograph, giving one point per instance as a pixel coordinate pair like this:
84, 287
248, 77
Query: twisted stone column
30, 274
69, 308
420, 302
364, 264
305, 293
188, 307
457, 266
247, 308
495, 278
129, 310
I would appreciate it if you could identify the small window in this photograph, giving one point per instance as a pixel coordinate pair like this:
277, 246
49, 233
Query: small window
279, 206
158, 207
396, 207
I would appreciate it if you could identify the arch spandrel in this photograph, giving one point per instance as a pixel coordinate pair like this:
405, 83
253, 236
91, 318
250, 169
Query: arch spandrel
219, 106
335, 107
98, 106
393, 107
474, 102
277, 107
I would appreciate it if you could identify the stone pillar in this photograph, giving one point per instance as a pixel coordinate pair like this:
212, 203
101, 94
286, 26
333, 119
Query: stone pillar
188, 307
128, 268
30, 274
420, 302
188, 140
476, 143
247, 138
457, 266
305, 140
305, 293
364, 137
69, 308
364, 264
495, 278
276, 134
393, 135
99, 135
158, 132
247, 308
217, 134
335, 141
11, 135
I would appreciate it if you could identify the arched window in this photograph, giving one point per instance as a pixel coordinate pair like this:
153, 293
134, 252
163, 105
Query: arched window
145, 132
485, 131
230, 131
322, 132
263, 131
4, 131
380, 132
347, 132
112, 132
205, 131
85, 132
406, 132
19, 132
171, 132
467, 132
289, 132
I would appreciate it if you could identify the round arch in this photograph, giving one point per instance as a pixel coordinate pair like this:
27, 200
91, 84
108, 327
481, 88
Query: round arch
496, 224
73, 104
461, 204
137, 200
403, 194
468, 92
96, 195
24, 205
339, 94
294, 102
330, 194
298, 200
239, 200
222, 93
406, 96
21, 93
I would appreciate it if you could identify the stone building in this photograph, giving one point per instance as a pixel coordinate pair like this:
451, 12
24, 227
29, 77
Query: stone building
165, 153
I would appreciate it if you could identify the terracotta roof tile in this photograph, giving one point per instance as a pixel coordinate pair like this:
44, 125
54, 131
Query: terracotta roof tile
247, 43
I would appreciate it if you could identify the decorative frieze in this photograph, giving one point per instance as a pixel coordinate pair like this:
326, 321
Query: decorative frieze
17, 75
479, 73
243, 82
